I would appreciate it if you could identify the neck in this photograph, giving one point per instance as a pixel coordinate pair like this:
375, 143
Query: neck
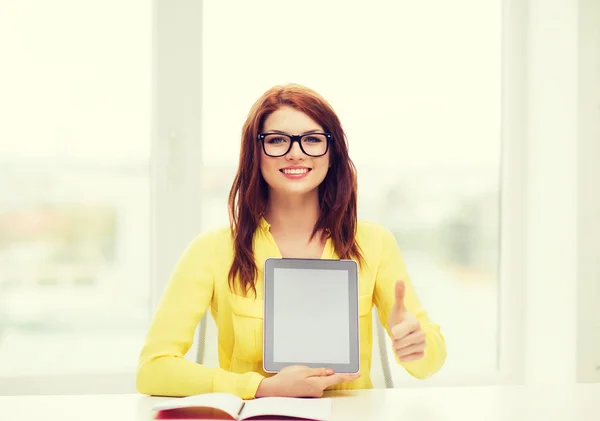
293, 214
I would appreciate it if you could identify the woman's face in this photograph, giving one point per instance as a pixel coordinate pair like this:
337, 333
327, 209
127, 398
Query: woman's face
295, 172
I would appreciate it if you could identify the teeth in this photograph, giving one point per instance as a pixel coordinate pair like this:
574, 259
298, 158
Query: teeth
296, 171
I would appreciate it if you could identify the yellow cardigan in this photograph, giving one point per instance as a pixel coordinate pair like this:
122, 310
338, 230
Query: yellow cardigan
199, 282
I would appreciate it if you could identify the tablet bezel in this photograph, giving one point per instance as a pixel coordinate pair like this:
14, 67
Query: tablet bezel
350, 266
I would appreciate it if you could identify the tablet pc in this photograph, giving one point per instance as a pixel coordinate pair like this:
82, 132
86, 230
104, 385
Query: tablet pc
311, 314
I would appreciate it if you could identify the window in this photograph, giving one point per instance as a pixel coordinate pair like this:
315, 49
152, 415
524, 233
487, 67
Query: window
74, 175
420, 99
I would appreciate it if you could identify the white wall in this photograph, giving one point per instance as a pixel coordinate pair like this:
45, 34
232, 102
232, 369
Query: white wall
588, 332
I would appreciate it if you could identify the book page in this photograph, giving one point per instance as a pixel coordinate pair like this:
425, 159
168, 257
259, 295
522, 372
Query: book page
311, 409
230, 404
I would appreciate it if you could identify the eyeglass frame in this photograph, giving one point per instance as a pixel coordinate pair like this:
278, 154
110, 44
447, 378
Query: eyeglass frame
295, 138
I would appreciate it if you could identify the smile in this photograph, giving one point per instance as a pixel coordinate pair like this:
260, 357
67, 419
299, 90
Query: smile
295, 170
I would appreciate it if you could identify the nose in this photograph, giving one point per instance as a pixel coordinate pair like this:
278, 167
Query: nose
295, 153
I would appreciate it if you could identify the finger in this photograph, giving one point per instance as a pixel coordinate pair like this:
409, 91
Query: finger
316, 372
412, 357
413, 349
404, 328
337, 379
412, 338
400, 291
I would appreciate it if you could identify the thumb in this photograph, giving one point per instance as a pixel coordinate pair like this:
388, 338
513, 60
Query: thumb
400, 291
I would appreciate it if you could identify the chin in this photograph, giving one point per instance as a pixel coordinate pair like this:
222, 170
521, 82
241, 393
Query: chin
296, 189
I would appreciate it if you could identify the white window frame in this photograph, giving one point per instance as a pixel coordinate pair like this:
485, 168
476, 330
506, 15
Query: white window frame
176, 135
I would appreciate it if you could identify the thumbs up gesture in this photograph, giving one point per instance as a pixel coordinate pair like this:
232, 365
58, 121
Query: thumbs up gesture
407, 336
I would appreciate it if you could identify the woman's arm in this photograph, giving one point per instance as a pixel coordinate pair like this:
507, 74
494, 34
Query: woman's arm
392, 268
162, 368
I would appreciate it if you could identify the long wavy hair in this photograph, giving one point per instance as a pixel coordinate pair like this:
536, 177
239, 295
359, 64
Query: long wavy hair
249, 193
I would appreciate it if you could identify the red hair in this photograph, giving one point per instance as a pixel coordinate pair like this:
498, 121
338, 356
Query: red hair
249, 193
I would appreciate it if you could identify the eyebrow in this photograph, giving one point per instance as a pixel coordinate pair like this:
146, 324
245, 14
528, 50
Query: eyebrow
308, 132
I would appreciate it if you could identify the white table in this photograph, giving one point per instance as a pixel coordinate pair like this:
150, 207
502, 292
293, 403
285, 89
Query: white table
514, 403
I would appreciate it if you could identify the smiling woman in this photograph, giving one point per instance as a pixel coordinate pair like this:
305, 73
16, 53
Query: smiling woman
287, 203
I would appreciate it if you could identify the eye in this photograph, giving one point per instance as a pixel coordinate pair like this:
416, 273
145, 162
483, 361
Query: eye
314, 139
274, 140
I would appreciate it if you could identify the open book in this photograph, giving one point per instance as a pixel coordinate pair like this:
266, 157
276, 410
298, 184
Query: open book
223, 406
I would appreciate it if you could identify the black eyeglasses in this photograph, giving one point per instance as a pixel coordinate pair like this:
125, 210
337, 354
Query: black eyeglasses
279, 144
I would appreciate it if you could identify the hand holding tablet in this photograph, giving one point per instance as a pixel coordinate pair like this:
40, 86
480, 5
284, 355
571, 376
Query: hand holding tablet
302, 382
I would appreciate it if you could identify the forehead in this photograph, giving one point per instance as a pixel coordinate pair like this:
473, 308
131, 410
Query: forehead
290, 120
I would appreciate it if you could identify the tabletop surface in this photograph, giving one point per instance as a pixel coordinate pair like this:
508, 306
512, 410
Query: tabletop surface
565, 403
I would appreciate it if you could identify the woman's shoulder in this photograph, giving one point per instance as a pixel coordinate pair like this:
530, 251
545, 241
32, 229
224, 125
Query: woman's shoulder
371, 228
371, 235
215, 239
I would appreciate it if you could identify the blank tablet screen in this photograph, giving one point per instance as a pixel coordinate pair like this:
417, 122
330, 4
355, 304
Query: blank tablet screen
311, 316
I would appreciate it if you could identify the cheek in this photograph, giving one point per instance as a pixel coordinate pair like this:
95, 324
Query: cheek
323, 166
268, 167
